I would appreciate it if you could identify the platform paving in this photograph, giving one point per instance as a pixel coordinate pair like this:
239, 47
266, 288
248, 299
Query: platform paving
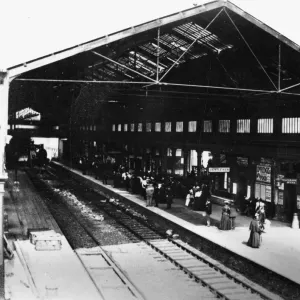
280, 250
35, 274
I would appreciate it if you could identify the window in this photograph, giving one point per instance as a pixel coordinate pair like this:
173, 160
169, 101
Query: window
178, 153
91, 128
119, 127
224, 125
140, 127
207, 126
125, 127
265, 125
291, 125
243, 126
179, 126
94, 127
148, 127
169, 152
132, 127
157, 127
168, 126
192, 126
113, 127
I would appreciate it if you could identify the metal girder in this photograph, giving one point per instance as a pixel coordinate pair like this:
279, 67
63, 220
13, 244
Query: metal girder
123, 66
191, 44
88, 46
250, 48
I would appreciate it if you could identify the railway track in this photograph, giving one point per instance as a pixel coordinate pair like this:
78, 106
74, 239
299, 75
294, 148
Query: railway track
221, 282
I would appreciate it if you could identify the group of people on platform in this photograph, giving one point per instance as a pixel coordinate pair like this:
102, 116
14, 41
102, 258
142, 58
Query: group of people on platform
162, 189
33, 155
198, 198
257, 225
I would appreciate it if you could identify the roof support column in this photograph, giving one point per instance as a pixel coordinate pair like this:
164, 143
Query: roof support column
4, 88
279, 65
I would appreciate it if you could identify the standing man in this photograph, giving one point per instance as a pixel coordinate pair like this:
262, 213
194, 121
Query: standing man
149, 193
208, 210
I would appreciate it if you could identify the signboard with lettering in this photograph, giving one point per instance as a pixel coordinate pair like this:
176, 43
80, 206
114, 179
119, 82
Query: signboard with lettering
219, 170
257, 190
289, 180
242, 161
268, 161
280, 198
268, 193
263, 173
298, 201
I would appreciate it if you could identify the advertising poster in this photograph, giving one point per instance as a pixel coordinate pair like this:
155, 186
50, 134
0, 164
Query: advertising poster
263, 173
257, 190
268, 193
280, 198
298, 201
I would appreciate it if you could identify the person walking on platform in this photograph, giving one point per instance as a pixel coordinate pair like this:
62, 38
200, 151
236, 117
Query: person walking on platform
208, 210
169, 196
149, 193
225, 223
255, 233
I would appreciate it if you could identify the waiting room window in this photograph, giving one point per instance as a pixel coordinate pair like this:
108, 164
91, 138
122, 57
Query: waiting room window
265, 125
168, 126
178, 152
224, 126
291, 125
119, 127
125, 127
192, 126
132, 127
158, 127
207, 126
148, 127
179, 126
243, 126
140, 127
169, 152
113, 127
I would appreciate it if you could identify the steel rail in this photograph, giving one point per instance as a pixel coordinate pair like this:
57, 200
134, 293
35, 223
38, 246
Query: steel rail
115, 213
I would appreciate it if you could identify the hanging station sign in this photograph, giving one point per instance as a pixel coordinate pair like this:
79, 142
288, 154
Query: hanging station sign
263, 173
242, 161
289, 180
219, 170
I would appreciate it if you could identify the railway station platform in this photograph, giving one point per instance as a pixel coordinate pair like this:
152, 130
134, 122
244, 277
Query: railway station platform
32, 274
280, 249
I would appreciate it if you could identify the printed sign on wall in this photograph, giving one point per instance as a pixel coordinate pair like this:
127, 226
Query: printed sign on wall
263, 173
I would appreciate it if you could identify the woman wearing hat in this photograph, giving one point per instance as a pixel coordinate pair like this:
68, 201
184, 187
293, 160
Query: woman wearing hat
255, 233
225, 223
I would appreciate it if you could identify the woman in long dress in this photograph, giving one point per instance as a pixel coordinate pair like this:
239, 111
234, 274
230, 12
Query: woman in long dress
225, 223
255, 233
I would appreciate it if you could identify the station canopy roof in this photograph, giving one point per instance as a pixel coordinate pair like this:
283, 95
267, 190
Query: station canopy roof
215, 48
